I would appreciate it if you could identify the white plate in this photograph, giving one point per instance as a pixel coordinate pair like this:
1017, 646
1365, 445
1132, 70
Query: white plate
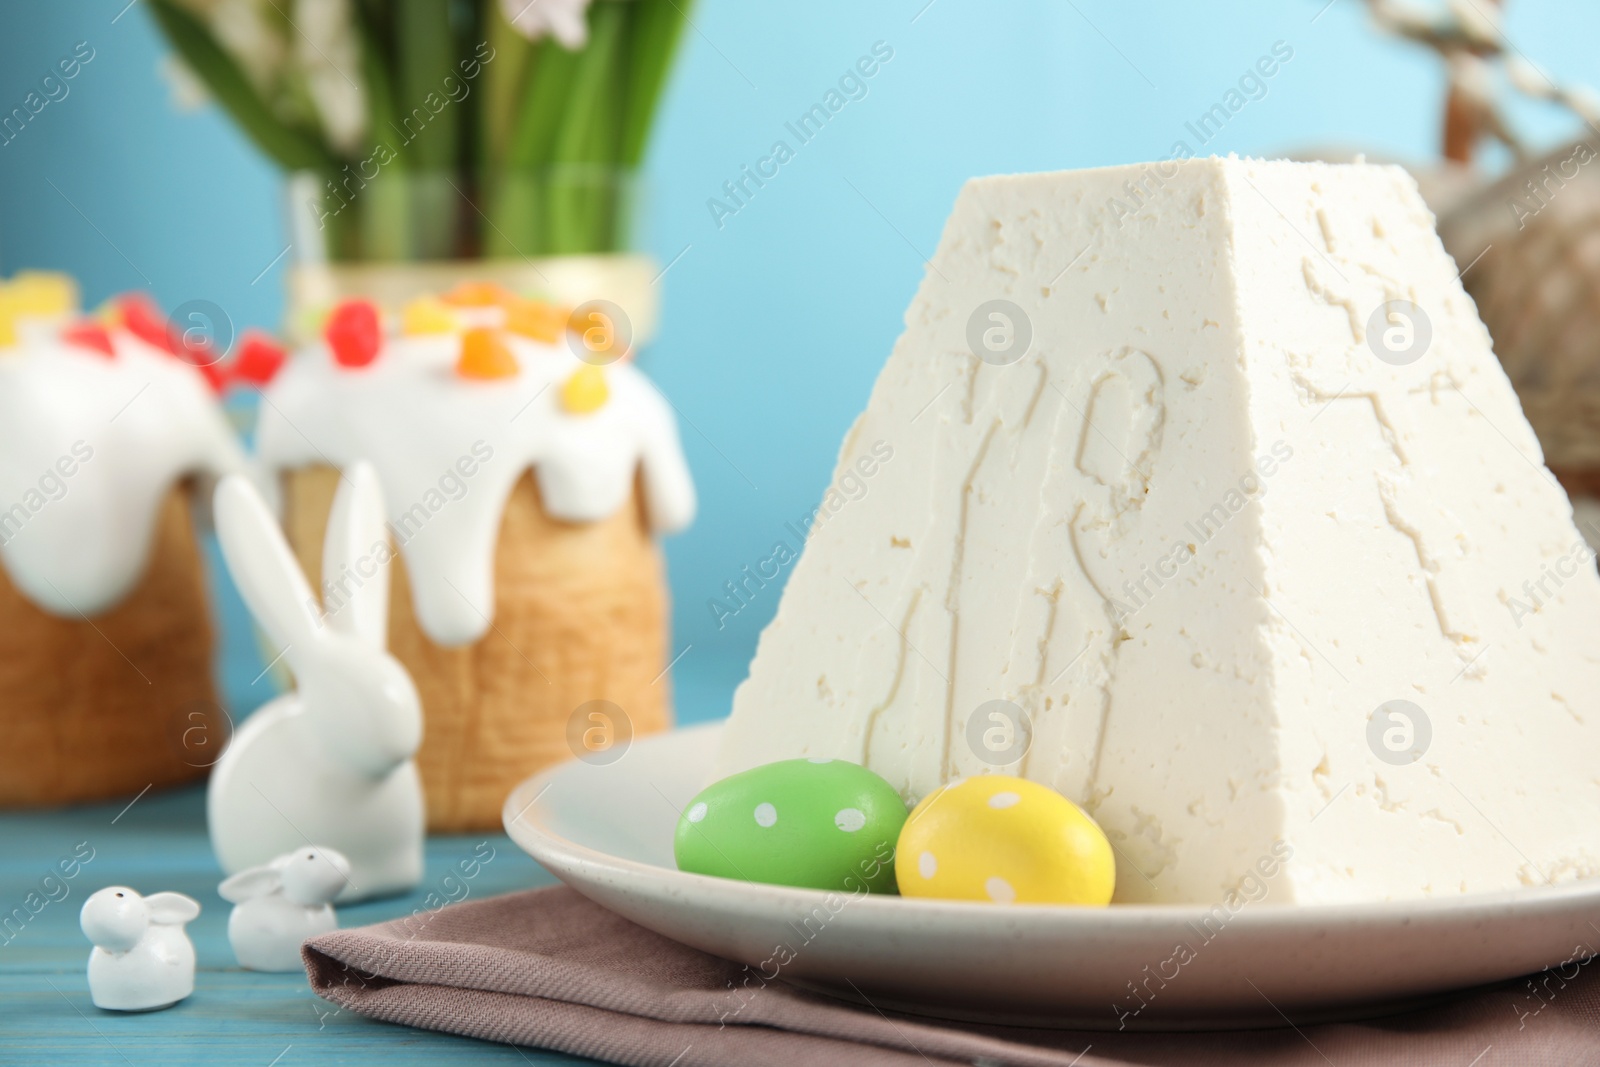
607, 832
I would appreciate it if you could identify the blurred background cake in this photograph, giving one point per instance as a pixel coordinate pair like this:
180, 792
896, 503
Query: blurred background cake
109, 433
526, 474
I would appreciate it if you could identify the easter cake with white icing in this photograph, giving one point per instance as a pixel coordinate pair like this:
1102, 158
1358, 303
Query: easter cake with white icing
527, 478
106, 427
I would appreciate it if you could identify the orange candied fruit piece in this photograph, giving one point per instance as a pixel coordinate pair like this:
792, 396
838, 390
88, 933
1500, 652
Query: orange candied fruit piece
485, 356
536, 319
478, 295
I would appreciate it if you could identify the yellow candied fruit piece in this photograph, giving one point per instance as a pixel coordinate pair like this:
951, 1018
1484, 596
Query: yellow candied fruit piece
586, 391
484, 356
428, 315
43, 292
8, 318
478, 295
536, 319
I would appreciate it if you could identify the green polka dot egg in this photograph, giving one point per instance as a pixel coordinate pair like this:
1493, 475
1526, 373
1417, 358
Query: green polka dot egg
813, 823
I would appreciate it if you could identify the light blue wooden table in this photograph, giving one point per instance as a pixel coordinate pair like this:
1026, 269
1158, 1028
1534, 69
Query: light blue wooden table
234, 1016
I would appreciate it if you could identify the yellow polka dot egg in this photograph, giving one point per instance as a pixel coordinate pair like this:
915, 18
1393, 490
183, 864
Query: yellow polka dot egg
1005, 840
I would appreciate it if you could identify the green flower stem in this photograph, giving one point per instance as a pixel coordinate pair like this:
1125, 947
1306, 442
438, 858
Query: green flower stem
584, 156
383, 210
658, 25
501, 81
431, 141
517, 204
537, 158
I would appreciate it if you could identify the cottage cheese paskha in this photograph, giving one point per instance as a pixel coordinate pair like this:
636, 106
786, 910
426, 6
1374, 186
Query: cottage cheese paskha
1229, 527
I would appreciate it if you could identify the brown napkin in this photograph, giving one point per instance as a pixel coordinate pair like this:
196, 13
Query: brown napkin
548, 968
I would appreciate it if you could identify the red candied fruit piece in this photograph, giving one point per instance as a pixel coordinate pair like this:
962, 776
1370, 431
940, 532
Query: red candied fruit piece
90, 335
143, 318
354, 333
196, 350
214, 375
259, 359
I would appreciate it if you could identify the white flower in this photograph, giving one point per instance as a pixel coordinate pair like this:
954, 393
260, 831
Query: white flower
189, 93
342, 105
328, 51
255, 43
562, 19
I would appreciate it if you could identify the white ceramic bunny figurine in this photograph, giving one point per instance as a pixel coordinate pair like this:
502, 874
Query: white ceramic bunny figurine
278, 907
331, 762
142, 959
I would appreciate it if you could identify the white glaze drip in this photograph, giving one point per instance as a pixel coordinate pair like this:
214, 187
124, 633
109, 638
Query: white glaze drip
415, 419
128, 428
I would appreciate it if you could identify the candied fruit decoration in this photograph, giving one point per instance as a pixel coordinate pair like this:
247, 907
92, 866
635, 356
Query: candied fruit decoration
478, 295
536, 319
193, 346
214, 375
139, 314
586, 391
8, 318
43, 292
259, 359
484, 356
91, 335
428, 315
353, 333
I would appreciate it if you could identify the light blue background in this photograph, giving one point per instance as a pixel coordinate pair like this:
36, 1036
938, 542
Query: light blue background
777, 322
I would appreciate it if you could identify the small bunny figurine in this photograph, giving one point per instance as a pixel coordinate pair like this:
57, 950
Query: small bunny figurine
142, 959
331, 762
279, 906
